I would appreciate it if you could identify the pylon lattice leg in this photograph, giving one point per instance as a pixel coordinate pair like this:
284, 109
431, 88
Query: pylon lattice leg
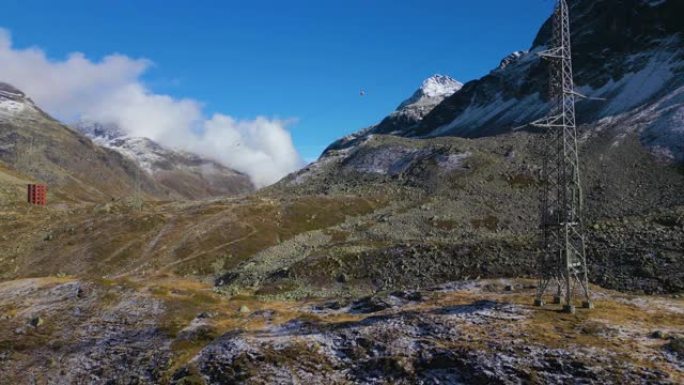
563, 257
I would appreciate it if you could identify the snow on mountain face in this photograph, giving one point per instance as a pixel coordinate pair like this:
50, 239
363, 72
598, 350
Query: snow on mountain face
175, 169
10, 107
513, 57
433, 90
628, 57
146, 153
625, 60
98, 132
12, 101
410, 112
149, 155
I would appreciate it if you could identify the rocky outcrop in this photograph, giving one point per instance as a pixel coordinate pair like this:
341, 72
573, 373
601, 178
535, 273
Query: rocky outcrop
65, 331
402, 338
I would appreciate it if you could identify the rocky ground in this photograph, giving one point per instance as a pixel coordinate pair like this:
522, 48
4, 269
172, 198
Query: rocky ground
424, 213
274, 287
457, 209
173, 331
339, 274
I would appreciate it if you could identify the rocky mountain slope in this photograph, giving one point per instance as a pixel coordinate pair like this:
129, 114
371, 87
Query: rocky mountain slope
187, 174
410, 112
38, 148
463, 180
41, 149
628, 58
642, 81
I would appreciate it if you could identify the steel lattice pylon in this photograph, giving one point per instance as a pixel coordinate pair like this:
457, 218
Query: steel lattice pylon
562, 261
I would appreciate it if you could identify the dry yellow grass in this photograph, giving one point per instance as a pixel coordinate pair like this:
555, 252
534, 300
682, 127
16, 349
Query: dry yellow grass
185, 239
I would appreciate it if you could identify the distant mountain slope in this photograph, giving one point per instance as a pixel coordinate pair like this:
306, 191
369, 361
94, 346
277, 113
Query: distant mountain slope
38, 146
410, 112
628, 52
185, 173
628, 57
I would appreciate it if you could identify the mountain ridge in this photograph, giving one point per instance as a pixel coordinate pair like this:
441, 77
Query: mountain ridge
42, 149
628, 56
410, 112
189, 174
88, 167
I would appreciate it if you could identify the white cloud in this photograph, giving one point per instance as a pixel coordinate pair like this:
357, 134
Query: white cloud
260, 147
111, 91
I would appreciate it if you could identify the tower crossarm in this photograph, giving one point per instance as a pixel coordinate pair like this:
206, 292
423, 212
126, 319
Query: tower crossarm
549, 122
553, 53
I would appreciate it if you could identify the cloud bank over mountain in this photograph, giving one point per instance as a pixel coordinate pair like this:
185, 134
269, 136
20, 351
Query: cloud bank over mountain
111, 91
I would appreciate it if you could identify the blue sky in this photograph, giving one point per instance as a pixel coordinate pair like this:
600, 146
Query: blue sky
301, 59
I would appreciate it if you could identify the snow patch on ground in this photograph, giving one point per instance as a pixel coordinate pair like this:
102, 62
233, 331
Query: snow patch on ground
387, 160
452, 161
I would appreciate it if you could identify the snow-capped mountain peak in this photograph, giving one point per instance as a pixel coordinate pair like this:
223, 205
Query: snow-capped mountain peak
432, 91
410, 112
440, 86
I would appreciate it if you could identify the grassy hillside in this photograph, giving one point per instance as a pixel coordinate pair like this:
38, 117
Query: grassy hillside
76, 169
445, 209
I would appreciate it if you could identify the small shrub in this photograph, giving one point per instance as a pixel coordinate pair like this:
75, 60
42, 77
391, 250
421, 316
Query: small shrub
218, 265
